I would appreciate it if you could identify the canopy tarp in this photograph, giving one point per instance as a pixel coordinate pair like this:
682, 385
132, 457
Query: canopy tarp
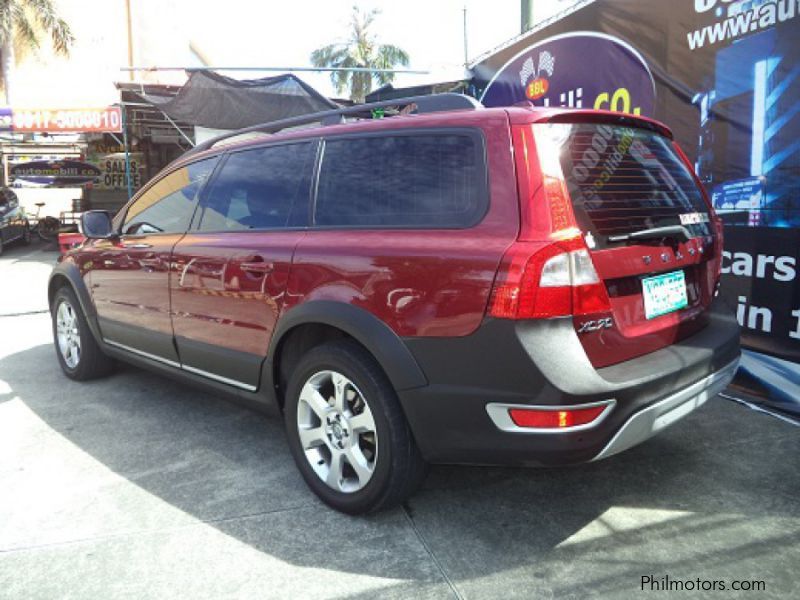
215, 101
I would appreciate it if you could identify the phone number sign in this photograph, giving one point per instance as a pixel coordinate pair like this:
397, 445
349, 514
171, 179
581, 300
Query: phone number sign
66, 120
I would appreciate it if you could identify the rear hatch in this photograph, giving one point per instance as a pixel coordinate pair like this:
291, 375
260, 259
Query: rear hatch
649, 229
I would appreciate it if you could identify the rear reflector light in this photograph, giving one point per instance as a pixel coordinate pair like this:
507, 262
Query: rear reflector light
524, 418
555, 419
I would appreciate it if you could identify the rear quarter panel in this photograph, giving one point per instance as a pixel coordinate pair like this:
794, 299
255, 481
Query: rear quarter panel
433, 282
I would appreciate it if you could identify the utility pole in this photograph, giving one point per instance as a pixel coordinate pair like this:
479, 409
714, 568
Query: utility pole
526, 22
129, 28
466, 53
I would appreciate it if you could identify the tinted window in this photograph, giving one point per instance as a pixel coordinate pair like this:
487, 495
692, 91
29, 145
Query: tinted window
427, 180
263, 188
168, 205
623, 179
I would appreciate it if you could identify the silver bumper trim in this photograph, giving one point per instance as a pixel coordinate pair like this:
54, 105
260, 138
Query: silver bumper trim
649, 421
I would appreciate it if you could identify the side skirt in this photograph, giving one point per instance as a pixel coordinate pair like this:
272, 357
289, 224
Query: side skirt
262, 401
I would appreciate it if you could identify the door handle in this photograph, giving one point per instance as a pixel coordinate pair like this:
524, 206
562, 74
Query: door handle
139, 246
259, 267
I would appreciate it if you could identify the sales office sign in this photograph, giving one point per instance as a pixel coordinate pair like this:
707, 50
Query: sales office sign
66, 120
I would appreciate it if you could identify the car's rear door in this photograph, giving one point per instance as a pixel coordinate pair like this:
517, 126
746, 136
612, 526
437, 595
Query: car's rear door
231, 270
130, 274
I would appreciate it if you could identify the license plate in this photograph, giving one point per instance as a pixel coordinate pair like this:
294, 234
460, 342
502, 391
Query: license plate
664, 294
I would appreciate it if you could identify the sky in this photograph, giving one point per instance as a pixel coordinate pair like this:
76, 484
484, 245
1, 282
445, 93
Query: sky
253, 33
282, 34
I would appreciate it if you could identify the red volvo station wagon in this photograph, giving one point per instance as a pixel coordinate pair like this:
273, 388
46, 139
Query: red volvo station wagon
446, 284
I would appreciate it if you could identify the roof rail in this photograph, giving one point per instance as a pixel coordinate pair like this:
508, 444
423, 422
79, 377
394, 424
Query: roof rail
421, 104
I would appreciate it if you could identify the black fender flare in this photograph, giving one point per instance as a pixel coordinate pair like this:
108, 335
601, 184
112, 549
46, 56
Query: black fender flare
69, 271
378, 338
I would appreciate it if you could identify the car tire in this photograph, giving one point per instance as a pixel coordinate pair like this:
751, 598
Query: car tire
354, 446
78, 353
48, 229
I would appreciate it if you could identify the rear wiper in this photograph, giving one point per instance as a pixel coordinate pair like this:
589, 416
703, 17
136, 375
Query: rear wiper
670, 231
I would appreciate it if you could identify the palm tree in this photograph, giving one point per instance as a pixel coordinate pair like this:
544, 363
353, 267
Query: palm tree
21, 23
359, 51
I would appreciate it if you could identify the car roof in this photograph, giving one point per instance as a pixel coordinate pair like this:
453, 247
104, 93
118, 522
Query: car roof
518, 114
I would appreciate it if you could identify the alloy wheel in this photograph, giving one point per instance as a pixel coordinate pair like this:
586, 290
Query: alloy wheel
337, 431
69, 339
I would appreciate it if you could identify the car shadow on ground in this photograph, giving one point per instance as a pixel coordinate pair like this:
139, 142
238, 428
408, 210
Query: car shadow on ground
23, 279
709, 496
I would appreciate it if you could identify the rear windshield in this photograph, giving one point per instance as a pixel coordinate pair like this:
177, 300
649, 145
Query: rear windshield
623, 179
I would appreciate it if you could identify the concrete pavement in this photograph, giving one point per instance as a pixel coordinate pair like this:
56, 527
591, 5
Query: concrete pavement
137, 487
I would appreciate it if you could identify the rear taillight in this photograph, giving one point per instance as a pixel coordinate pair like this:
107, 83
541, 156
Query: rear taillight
549, 144
555, 280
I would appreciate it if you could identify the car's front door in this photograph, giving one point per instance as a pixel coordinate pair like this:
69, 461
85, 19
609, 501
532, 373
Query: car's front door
233, 266
130, 274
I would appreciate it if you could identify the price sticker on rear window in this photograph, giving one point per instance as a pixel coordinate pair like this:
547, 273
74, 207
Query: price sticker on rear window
693, 218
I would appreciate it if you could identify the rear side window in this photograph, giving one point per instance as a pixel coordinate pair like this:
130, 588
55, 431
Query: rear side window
624, 179
425, 180
262, 188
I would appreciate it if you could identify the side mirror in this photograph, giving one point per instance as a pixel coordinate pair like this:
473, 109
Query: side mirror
96, 225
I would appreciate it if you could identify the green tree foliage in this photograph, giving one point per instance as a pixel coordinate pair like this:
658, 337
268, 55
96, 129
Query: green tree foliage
361, 50
22, 24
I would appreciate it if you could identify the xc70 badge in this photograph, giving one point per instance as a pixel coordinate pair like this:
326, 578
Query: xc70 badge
595, 325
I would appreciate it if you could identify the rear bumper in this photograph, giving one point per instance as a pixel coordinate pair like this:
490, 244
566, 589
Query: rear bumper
659, 415
542, 363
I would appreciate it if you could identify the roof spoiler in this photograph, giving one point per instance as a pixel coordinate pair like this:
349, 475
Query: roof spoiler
606, 116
